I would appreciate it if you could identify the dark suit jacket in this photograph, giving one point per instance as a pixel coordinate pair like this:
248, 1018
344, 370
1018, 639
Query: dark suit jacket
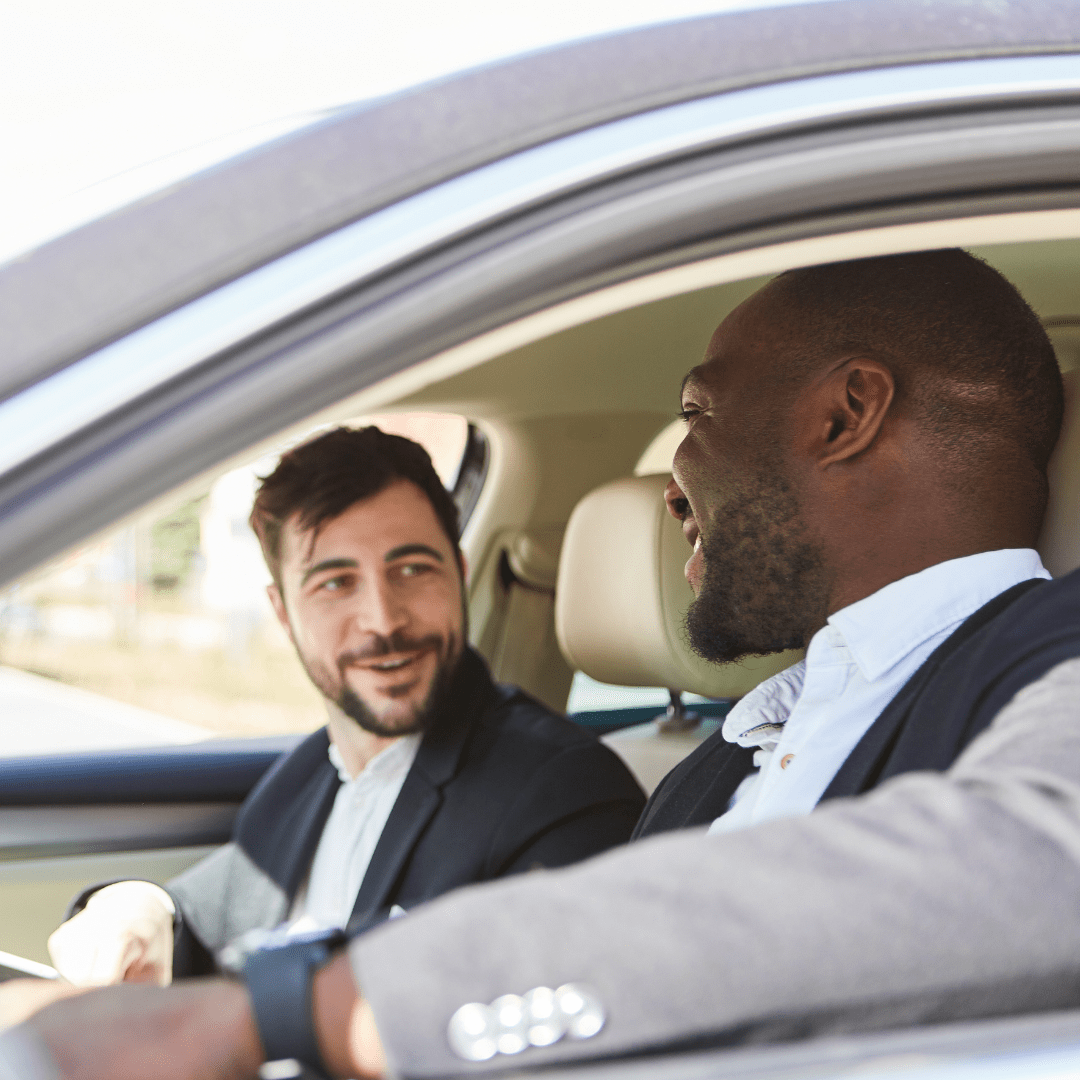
500, 784
1011, 641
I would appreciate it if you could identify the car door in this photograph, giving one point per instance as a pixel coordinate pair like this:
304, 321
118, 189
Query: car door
746, 147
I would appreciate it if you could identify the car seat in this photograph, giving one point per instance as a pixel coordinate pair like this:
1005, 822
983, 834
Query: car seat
620, 599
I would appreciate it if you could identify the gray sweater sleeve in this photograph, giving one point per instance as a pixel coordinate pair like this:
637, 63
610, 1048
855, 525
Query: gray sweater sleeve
937, 896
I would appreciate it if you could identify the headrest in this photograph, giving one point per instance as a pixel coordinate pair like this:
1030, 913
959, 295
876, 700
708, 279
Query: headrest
1059, 544
621, 597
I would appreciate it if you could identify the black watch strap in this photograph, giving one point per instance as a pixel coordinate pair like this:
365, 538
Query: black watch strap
279, 975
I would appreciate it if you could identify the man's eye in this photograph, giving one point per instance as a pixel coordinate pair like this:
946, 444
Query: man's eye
414, 569
688, 413
334, 584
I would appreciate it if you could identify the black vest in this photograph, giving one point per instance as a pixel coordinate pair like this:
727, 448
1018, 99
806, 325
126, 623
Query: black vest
1011, 641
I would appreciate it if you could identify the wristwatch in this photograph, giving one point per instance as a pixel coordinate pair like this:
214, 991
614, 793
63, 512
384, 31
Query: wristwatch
278, 970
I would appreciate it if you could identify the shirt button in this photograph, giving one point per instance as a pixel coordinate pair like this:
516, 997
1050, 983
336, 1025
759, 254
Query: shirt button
786, 760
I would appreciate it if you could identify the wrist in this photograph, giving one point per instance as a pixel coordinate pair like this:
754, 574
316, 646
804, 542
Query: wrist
229, 1002
141, 895
279, 973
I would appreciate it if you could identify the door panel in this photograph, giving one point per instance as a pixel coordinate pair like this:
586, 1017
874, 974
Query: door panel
69, 821
44, 832
217, 770
35, 893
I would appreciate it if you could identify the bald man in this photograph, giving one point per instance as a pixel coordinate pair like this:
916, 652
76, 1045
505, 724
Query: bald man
863, 476
894, 458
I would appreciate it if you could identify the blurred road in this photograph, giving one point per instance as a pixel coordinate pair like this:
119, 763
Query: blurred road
43, 716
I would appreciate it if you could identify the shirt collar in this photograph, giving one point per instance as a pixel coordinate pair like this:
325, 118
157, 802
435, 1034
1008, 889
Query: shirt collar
883, 628
390, 760
766, 708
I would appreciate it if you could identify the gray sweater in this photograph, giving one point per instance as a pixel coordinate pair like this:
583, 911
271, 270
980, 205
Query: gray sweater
937, 896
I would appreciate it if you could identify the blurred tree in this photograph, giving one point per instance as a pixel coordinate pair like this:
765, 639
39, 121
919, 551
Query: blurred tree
174, 547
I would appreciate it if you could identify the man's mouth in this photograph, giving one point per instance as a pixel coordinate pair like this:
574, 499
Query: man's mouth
395, 663
391, 659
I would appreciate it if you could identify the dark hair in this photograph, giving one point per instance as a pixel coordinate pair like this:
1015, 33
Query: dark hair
322, 478
971, 360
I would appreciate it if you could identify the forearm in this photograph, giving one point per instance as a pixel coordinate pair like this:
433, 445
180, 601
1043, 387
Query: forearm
202, 1029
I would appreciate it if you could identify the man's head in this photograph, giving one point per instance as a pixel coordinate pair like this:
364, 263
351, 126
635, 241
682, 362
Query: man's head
851, 424
361, 539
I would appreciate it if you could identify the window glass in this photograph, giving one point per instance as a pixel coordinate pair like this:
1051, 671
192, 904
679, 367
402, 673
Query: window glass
588, 695
659, 453
161, 632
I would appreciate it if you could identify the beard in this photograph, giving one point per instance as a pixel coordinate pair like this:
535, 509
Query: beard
765, 587
423, 715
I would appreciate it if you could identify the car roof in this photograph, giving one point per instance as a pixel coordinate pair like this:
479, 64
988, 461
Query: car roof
83, 290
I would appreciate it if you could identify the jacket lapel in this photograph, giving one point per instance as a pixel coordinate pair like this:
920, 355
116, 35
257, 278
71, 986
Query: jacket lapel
471, 694
415, 807
698, 789
280, 824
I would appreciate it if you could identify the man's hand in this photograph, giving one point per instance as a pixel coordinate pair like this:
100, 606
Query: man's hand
124, 934
200, 1030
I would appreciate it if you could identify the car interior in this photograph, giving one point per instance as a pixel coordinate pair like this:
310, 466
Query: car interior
575, 566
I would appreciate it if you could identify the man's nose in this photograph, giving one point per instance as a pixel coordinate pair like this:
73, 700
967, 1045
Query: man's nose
380, 609
677, 503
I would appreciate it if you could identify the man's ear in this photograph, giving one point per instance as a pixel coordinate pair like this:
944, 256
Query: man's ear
851, 404
463, 566
278, 604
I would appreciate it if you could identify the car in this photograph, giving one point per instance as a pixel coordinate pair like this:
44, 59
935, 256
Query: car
540, 249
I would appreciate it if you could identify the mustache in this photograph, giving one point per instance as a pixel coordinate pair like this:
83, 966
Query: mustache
379, 645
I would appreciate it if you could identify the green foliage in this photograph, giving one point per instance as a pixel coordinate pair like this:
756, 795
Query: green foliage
174, 546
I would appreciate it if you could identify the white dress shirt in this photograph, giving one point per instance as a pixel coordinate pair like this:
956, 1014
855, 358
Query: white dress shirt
807, 719
349, 838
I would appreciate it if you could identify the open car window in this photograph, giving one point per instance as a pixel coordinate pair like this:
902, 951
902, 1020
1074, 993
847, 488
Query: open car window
159, 632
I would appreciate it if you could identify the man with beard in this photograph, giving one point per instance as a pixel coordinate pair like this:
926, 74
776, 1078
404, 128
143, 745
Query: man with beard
888, 447
863, 476
428, 775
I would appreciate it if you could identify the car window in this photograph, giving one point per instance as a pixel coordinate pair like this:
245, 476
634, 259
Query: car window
160, 632
659, 453
605, 707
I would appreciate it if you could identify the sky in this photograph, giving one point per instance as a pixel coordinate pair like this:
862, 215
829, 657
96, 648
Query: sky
91, 90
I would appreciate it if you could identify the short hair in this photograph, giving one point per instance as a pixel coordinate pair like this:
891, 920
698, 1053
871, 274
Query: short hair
320, 479
971, 360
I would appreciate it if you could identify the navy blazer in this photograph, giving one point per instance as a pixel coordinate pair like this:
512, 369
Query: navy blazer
500, 784
1011, 641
